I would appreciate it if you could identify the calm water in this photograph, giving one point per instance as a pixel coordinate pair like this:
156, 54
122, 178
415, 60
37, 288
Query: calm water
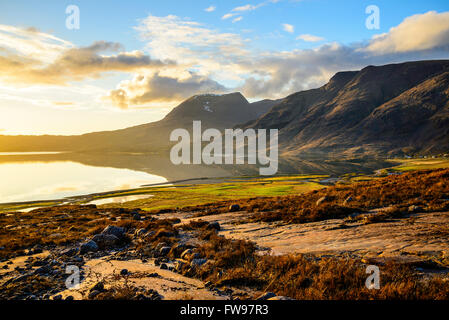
34, 180
47, 176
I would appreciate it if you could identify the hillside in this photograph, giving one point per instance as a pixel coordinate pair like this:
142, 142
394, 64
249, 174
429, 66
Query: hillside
391, 109
215, 111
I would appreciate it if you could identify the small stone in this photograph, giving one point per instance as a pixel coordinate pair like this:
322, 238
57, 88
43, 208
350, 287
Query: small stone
124, 272
88, 247
214, 225
69, 252
70, 298
414, 208
93, 294
164, 251
163, 266
234, 207
99, 286
197, 262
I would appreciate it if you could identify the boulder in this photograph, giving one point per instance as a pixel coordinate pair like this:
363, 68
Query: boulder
119, 232
197, 262
105, 241
89, 246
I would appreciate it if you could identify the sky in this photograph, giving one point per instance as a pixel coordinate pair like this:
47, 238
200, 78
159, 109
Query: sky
131, 62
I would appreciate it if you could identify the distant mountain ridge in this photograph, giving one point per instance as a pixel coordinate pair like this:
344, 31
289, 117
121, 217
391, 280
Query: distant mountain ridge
214, 111
378, 111
387, 110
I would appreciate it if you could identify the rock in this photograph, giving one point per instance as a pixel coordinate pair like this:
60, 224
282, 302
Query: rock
321, 200
70, 298
105, 240
115, 231
43, 270
178, 249
124, 272
280, 298
414, 208
186, 253
37, 249
266, 296
234, 208
137, 217
208, 284
164, 251
57, 297
140, 232
99, 286
163, 266
160, 245
214, 225
69, 252
179, 264
89, 246
197, 262
93, 294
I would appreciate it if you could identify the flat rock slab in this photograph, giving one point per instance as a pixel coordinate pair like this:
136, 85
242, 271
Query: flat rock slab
389, 238
170, 285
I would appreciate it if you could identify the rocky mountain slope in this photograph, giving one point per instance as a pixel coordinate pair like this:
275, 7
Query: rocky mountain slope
391, 109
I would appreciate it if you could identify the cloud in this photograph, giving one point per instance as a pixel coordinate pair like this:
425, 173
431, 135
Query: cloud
417, 32
309, 38
157, 88
248, 7
288, 28
237, 19
210, 9
228, 15
188, 58
32, 57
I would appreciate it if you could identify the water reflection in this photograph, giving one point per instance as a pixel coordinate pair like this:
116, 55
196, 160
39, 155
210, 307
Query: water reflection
27, 177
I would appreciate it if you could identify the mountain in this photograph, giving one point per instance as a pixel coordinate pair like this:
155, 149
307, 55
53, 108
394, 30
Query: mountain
394, 109
215, 111
385, 110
